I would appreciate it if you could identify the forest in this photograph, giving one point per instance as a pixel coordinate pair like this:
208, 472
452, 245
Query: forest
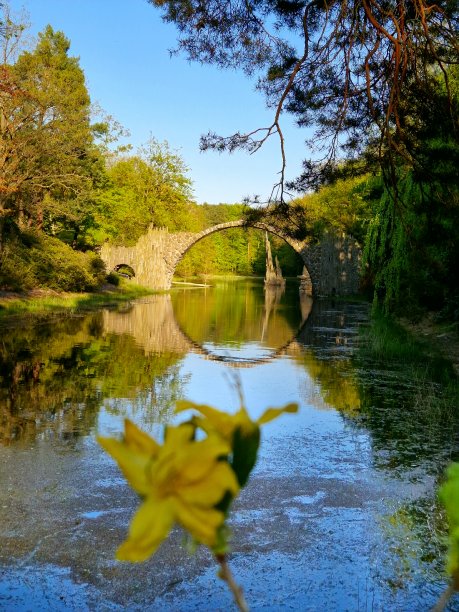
67, 186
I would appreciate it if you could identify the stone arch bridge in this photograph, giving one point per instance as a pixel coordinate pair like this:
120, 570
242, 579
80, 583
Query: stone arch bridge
332, 266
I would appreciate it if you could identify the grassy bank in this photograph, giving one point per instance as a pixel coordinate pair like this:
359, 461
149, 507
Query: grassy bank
402, 340
47, 302
422, 359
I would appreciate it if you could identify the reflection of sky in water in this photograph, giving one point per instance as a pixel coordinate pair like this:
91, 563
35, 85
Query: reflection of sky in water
313, 440
263, 385
250, 351
211, 382
321, 438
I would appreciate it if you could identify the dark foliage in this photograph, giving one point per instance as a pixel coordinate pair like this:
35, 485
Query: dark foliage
350, 69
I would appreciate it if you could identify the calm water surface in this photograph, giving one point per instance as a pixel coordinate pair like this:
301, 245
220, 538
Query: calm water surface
340, 513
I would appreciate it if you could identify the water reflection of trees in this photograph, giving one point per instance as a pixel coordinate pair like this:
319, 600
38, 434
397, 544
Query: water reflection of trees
410, 408
412, 411
327, 347
273, 296
56, 375
236, 313
416, 533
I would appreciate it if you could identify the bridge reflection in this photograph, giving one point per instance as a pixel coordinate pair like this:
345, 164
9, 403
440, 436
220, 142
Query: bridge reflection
155, 326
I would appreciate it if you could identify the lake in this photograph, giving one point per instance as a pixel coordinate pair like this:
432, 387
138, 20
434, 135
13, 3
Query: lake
339, 514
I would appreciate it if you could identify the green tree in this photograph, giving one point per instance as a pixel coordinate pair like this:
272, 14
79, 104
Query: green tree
349, 68
11, 97
412, 248
150, 188
344, 206
169, 184
46, 136
49, 163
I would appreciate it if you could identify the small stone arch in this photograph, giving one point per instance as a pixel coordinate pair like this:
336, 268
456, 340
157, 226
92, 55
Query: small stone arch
125, 270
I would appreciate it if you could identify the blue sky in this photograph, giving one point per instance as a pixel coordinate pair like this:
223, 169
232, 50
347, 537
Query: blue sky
123, 46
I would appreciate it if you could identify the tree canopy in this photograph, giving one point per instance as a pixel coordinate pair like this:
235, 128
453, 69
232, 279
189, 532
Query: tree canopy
45, 128
345, 67
150, 187
64, 186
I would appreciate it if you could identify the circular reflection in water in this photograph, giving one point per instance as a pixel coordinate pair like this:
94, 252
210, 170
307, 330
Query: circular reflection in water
241, 323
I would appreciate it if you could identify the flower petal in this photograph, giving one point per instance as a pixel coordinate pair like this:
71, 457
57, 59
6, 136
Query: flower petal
138, 440
149, 527
199, 458
220, 421
133, 464
176, 437
210, 490
202, 523
187, 459
272, 413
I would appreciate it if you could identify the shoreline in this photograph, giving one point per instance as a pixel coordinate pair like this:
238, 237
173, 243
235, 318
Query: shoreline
442, 337
44, 302
47, 302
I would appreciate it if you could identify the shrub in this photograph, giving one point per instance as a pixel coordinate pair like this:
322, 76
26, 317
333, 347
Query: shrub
113, 279
33, 260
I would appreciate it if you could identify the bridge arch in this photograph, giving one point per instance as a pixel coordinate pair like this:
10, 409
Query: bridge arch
297, 246
160, 332
124, 270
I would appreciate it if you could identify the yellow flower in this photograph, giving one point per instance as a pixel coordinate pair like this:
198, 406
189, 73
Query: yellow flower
227, 424
237, 429
181, 481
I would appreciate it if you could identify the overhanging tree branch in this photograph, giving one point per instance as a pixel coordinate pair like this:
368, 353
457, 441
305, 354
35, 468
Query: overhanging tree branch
360, 60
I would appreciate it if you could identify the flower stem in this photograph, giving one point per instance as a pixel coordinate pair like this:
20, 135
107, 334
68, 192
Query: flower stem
226, 575
444, 598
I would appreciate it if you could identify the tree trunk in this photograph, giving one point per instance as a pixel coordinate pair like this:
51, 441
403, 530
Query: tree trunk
2, 223
21, 217
39, 217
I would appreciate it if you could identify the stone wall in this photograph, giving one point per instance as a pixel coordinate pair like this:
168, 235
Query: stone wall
333, 265
336, 264
147, 258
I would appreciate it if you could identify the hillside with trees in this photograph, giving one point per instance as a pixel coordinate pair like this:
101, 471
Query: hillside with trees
66, 187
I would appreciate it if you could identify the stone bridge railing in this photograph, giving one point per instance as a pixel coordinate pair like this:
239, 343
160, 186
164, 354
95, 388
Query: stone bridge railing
332, 265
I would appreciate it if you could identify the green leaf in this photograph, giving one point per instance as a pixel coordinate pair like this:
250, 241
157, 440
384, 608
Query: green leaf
449, 495
245, 450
